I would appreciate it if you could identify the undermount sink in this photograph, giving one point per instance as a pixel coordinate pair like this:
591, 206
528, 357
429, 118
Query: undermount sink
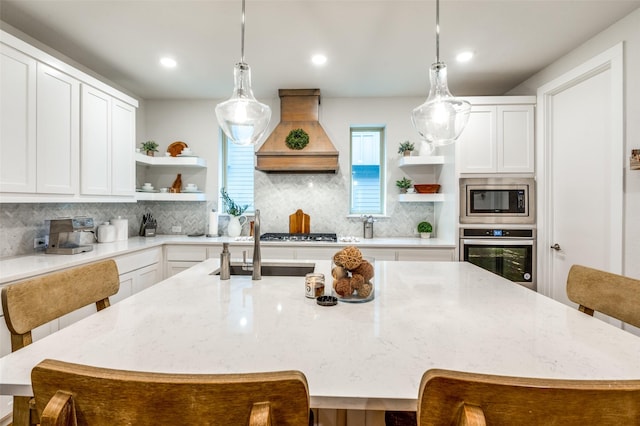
289, 269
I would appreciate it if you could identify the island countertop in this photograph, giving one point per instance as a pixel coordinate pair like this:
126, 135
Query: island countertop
371, 355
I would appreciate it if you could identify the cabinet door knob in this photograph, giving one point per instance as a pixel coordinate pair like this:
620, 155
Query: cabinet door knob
556, 247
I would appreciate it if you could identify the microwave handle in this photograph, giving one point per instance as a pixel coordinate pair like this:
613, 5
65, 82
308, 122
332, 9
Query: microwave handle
497, 242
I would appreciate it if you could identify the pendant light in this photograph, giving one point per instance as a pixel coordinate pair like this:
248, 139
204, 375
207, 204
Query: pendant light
242, 118
441, 119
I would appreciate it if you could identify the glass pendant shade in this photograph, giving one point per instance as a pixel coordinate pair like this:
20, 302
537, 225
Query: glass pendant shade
441, 119
242, 118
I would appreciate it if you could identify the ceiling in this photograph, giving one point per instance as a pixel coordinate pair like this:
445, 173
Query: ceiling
374, 47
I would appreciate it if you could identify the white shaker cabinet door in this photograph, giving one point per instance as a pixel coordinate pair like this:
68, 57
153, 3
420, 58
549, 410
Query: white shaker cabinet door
17, 121
95, 142
58, 131
477, 144
123, 139
515, 139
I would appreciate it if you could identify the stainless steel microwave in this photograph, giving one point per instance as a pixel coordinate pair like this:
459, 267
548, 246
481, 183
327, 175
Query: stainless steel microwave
497, 200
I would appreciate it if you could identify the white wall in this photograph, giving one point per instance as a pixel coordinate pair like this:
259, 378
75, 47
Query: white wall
628, 31
324, 196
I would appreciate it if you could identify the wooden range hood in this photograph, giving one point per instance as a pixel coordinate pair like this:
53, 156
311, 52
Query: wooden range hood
298, 110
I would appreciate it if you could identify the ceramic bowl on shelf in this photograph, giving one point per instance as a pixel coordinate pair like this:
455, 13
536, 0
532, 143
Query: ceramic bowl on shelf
427, 188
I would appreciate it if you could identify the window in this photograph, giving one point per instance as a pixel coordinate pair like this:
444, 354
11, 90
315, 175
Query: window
237, 172
367, 173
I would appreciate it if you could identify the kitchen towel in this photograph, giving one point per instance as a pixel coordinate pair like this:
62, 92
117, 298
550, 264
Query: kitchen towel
122, 228
213, 223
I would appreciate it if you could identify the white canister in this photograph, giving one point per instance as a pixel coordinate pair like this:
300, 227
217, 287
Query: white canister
106, 233
122, 228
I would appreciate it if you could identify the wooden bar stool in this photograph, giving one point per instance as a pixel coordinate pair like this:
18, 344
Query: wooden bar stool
31, 303
605, 292
70, 394
459, 398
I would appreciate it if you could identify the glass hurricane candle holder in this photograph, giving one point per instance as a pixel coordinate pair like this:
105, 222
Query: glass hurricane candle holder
352, 276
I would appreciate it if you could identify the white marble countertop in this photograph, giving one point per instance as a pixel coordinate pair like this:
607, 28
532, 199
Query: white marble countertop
21, 267
372, 355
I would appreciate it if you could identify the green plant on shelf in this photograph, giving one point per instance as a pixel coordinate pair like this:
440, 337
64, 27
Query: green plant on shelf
403, 184
231, 206
149, 147
406, 147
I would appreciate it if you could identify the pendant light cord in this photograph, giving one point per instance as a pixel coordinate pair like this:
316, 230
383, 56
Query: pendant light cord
242, 37
437, 30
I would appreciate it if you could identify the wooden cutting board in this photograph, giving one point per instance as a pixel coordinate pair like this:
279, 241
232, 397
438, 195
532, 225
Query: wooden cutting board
299, 223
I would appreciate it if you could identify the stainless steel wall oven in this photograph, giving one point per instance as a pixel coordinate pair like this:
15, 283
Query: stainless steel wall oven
510, 253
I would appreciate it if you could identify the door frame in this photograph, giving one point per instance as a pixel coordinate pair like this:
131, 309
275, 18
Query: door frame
612, 60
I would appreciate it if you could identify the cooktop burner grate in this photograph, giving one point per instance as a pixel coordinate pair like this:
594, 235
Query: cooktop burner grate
276, 236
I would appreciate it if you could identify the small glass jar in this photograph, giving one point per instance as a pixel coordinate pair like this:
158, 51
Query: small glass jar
314, 285
355, 285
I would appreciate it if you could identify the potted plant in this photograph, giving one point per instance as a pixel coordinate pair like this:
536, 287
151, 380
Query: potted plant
406, 148
150, 147
425, 229
403, 184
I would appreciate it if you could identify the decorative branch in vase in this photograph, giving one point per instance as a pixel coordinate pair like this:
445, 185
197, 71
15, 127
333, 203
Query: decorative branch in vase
235, 210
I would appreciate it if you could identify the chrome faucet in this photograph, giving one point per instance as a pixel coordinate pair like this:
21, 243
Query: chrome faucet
257, 258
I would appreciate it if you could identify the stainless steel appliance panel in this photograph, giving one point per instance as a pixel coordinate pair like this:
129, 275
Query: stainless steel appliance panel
497, 200
510, 253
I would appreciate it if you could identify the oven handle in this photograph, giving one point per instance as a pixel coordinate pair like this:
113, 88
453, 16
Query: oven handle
498, 242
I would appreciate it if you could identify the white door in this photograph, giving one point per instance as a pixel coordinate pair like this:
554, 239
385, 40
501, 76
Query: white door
580, 184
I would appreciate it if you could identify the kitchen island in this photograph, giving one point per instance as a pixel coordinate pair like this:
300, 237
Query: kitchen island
367, 356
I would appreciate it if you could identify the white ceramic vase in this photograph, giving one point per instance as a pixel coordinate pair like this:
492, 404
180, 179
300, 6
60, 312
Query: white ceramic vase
234, 229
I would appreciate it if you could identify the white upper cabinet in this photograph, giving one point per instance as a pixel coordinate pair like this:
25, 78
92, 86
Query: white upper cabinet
107, 145
123, 141
95, 142
498, 139
17, 121
40, 127
64, 135
58, 106
477, 152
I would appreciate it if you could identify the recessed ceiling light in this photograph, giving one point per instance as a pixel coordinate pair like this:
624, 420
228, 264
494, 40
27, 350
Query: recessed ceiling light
168, 62
464, 56
319, 59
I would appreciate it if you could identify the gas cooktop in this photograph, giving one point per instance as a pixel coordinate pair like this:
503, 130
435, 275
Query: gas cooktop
275, 236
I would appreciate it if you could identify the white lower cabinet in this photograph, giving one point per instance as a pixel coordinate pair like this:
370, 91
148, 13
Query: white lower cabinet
433, 255
137, 271
181, 257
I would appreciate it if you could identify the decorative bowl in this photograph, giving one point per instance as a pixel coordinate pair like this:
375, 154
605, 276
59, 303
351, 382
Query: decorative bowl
426, 188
